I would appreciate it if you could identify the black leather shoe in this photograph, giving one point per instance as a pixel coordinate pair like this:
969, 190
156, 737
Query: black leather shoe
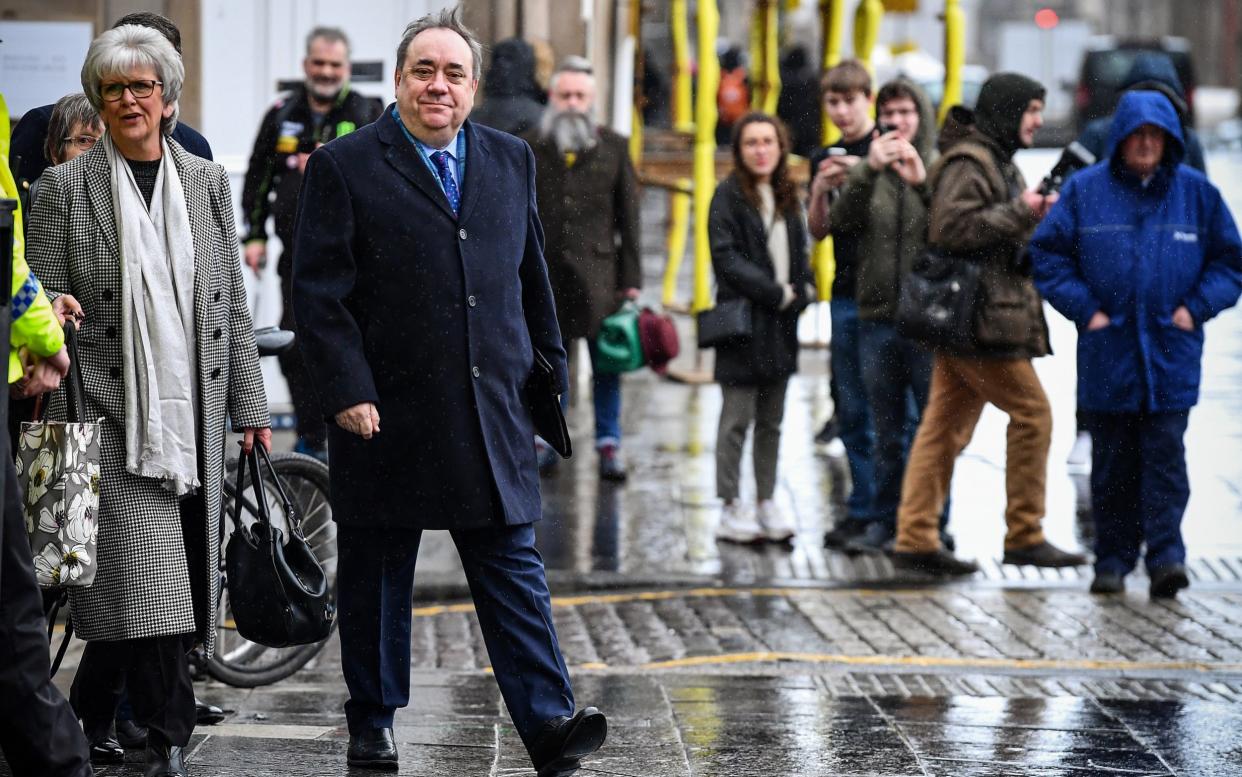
1044, 554
940, 563
1108, 583
165, 761
131, 735
876, 538
207, 714
840, 535
1167, 581
373, 749
104, 748
564, 742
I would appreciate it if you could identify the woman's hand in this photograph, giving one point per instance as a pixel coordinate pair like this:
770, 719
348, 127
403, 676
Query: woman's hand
250, 434
66, 307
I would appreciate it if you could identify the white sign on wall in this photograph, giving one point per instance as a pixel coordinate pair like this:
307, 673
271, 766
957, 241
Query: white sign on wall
40, 62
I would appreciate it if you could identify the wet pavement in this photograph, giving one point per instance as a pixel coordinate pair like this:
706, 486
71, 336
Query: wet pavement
792, 660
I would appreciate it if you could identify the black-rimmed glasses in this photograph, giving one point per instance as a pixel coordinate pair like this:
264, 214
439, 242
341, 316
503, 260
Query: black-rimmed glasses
113, 92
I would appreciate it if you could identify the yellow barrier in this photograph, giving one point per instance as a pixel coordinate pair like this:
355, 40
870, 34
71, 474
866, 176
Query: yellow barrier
678, 228
832, 30
683, 89
867, 19
954, 55
765, 56
705, 116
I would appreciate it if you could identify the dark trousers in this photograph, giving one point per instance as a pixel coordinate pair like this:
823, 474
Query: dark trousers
375, 588
897, 374
154, 671
852, 411
1139, 488
39, 733
311, 427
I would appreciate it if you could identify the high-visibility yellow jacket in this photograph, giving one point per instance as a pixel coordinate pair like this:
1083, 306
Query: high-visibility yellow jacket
34, 324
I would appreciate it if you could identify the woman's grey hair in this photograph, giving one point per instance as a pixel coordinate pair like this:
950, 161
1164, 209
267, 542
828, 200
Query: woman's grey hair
448, 19
71, 111
122, 49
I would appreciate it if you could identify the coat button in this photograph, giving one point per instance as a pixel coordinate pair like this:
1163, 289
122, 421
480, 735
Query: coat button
471, 301
216, 297
475, 371
107, 295
216, 334
461, 233
110, 332
215, 373
115, 372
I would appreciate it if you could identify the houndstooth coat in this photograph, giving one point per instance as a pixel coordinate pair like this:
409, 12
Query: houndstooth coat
142, 587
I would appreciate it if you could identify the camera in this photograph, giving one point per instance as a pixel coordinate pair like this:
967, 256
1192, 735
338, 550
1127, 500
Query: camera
1074, 158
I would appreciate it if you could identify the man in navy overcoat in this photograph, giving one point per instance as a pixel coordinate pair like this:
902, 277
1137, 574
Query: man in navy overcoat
420, 293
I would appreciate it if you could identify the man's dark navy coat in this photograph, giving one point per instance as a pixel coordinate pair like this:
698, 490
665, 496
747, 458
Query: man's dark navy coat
430, 316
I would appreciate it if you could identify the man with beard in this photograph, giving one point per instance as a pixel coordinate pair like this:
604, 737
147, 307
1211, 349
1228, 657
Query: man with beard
588, 201
322, 109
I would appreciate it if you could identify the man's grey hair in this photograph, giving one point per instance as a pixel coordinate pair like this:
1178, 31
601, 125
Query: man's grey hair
447, 19
572, 64
71, 111
330, 34
123, 49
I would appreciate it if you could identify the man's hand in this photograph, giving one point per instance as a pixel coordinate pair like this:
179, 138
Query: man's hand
1099, 320
256, 255
1183, 320
909, 165
250, 434
1038, 203
831, 174
43, 376
362, 420
67, 307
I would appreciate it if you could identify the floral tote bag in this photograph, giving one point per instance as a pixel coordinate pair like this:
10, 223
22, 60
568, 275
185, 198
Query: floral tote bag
58, 470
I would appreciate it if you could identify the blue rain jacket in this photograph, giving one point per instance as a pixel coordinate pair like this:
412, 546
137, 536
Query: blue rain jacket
1137, 252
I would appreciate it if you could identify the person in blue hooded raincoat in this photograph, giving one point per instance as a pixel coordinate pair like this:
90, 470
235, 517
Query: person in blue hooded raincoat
1140, 252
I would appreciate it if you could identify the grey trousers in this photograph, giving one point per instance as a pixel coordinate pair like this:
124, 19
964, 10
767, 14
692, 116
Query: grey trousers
763, 406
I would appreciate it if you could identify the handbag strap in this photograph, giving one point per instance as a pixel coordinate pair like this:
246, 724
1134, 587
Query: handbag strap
261, 511
74, 403
295, 519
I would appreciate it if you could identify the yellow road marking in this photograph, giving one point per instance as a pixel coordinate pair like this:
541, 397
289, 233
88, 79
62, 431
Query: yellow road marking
953, 662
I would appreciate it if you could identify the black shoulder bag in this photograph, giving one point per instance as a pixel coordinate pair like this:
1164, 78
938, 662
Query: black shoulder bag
938, 298
278, 593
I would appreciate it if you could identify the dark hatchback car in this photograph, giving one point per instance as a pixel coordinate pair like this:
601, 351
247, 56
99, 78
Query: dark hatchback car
1105, 65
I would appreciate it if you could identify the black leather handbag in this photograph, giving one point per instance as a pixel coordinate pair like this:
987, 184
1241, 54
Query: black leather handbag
938, 300
727, 323
278, 592
545, 406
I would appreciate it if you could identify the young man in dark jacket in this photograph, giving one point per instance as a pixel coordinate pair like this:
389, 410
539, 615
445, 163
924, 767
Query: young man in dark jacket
883, 206
1140, 252
981, 211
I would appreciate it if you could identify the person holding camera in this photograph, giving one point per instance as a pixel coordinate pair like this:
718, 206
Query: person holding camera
883, 207
981, 211
1140, 252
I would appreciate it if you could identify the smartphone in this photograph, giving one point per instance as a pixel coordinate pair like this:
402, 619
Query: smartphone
837, 151
886, 128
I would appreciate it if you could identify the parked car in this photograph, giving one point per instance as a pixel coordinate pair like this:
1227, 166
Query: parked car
1106, 63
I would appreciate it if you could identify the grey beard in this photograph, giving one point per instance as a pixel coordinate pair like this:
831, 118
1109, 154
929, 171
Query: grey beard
573, 132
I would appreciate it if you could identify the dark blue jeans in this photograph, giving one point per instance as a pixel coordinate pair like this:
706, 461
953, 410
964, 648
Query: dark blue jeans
853, 413
1139, 488
897, 375
606, 397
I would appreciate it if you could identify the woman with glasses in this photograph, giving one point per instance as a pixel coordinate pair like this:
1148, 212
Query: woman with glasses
141, 234
72, 130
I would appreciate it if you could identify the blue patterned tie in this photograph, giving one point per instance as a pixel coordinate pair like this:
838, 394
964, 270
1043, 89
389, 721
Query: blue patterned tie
443, 160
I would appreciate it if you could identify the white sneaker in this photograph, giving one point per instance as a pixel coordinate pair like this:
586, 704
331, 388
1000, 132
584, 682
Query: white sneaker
738, 525
1079, 460
777, 526
835, 449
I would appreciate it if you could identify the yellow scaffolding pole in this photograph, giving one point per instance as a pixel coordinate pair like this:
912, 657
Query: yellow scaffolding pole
765, 56
683, 121
705, 150
867, 19
954, 55
636, 113
832, 30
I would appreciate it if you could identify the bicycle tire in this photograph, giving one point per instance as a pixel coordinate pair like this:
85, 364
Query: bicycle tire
306, 480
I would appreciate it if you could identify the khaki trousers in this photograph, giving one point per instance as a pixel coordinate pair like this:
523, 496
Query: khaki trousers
960, 387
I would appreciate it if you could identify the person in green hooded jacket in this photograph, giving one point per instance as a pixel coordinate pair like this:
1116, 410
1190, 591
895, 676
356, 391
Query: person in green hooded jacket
884, 203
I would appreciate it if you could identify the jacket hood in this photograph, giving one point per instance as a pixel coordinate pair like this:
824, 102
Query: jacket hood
1155, 72
925, 138
1002, 102
1145, 107
957, 126
512, 71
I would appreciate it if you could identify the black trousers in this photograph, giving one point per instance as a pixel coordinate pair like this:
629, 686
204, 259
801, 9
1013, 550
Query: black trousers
39, 734
312, 429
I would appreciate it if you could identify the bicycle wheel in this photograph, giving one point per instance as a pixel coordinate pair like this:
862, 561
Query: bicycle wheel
237, 661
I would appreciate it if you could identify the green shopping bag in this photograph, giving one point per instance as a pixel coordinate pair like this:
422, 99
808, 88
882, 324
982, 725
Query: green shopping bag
618, 347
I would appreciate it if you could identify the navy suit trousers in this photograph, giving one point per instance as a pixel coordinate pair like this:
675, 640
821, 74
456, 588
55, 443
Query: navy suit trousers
1139, 489
375, 589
